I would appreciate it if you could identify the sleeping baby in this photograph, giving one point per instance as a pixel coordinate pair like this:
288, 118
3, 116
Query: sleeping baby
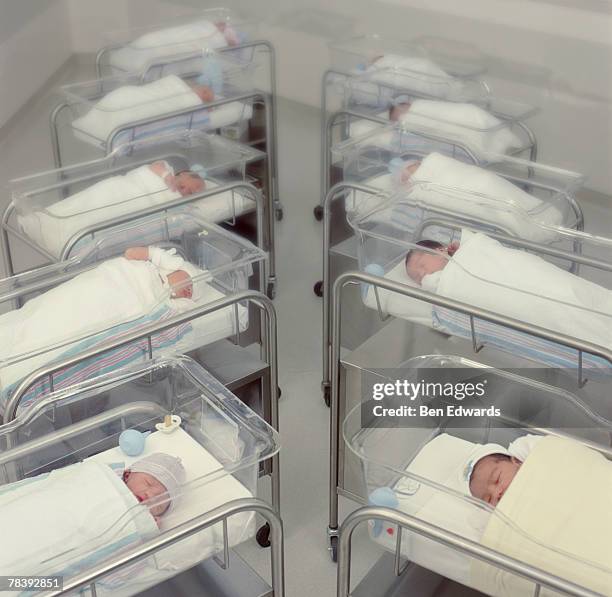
432, 258
155, 481
178, 177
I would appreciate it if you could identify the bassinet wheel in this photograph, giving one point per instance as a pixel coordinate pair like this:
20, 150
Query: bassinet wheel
318, 213
318, 288
333, 548
263, 536
279, 214
327, 395
279, 393
271, 290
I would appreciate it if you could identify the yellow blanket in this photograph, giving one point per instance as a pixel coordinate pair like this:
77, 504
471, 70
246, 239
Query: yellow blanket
556, 516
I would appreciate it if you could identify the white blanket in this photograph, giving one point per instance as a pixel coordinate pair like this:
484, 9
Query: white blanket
52, 228
117, 196
555, 516
441, 181
464, 123
116, 291
182, 39
58, 522
132, 103
524, 286
416, 74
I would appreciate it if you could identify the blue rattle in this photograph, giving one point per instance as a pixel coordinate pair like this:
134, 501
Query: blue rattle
385, 497
132, 441
375, 270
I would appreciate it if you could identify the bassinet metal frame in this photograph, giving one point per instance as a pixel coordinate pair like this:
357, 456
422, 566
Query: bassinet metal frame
444, 218
270, 513
8, 229
342, 117
402, 521
351, 278
273, 208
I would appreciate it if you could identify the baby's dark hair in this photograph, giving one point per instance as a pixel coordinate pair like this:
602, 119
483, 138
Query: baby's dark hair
394, 107
426, 244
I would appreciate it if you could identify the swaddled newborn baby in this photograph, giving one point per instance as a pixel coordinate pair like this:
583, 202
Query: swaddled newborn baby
491, 468
155, 481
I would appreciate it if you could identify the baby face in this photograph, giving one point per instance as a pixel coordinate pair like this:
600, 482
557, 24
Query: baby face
147, 488
206, 94
491, 477
180, 282
396, 112
422, 264
188, 183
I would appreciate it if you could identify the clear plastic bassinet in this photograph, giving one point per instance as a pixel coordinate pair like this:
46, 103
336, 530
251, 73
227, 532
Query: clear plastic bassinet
540, 193
220, 264
113, 110
402, 469
459, 60
220, 441
148, 48
55, 208
563, 287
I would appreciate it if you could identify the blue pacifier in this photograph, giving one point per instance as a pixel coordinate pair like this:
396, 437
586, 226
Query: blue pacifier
375, 270
132, 441
385, 497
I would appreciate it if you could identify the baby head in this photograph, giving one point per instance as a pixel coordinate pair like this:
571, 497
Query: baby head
396, 111
156, 481
205, 93
422, 263
491, 477
187, 183
181, 284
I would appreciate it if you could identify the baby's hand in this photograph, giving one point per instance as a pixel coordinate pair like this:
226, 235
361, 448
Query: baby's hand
137, 253
206, 94
452, 248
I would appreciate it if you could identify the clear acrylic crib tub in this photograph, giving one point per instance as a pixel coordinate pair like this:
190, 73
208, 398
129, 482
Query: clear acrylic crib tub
45, 221
146, 48
220, 440
373, 160
106, 123
563, 286
222, 264
397, 472
477, 130
459, 60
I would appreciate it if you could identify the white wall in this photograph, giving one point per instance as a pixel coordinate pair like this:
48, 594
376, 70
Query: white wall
34, 43
556, 54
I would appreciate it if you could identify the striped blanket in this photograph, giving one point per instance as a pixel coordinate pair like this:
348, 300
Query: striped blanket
109, 361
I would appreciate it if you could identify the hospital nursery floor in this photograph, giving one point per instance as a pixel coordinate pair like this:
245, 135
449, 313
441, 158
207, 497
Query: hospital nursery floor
304, 418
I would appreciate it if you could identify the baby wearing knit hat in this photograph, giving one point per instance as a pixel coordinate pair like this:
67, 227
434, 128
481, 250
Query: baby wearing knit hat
156, 481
